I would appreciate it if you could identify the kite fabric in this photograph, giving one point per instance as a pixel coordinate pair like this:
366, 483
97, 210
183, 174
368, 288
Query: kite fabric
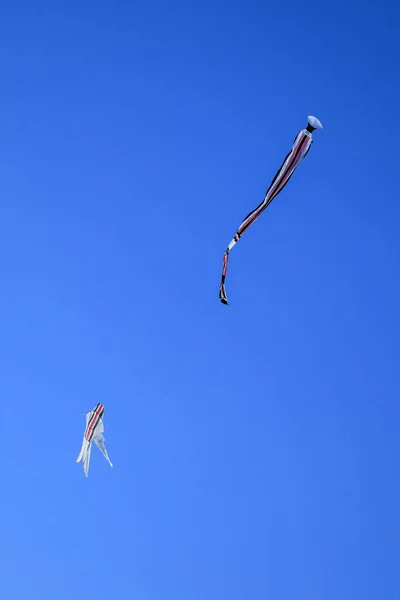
93, 433
301, 146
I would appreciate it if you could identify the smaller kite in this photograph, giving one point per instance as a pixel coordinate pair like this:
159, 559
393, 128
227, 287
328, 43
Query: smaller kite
93, 433
300, 148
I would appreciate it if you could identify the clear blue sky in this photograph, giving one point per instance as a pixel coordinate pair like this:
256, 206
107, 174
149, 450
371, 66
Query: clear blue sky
256, 446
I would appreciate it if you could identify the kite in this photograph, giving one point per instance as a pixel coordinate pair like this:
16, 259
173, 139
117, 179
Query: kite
301, 146
93, 433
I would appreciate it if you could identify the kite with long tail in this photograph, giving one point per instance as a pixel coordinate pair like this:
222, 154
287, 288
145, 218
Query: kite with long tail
301, 146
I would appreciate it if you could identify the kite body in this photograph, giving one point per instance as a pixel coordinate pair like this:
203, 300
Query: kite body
301, 146
93, 433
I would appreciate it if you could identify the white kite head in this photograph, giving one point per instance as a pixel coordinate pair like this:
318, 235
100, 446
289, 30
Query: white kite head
314, 122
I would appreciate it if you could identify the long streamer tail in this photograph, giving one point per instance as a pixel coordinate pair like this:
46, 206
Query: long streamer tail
84, 455
99, 441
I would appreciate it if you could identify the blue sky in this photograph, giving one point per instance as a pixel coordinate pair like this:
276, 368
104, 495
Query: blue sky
255, 446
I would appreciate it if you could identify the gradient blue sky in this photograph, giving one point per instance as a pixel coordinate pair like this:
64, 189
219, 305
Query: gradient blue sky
255, 446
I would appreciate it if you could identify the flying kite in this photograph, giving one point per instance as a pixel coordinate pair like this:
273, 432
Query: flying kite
93, 433
301, 146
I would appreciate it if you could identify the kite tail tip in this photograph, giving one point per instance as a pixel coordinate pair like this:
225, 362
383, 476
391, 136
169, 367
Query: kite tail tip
222, 295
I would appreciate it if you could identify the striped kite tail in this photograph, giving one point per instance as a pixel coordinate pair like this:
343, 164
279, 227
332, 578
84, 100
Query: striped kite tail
222, 291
